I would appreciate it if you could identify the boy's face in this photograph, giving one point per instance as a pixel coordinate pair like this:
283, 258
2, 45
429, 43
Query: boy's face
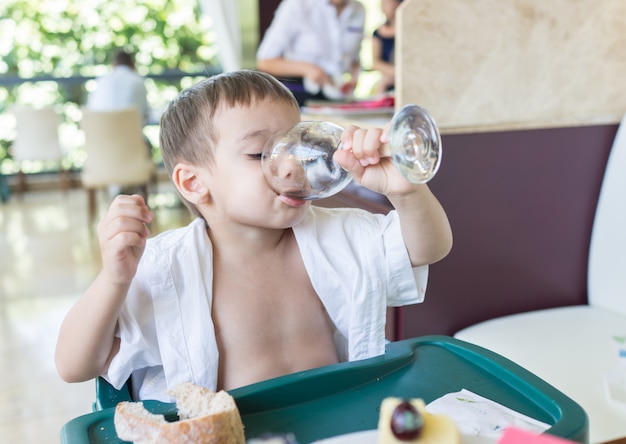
239, 192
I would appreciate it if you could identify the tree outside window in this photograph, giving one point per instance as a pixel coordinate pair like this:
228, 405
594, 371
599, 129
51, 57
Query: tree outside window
50, 49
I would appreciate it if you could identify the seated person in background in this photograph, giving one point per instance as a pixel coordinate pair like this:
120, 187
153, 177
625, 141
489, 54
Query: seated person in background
259, 285
383, 43
313, 47
122, 88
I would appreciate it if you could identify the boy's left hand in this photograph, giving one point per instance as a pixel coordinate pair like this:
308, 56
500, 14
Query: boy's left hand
361, 156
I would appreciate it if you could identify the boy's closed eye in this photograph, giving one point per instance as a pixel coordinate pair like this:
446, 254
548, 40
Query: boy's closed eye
255, 156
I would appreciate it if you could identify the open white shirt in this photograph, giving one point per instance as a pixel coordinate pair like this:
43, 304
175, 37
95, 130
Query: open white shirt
310, 31
357, 263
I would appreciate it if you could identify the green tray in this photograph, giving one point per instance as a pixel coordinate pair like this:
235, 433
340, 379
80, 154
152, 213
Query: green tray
346, 397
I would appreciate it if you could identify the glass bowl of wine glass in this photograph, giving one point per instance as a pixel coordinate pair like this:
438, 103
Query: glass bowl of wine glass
300, 164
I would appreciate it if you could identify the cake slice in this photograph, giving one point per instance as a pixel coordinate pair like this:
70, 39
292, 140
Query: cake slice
404, 421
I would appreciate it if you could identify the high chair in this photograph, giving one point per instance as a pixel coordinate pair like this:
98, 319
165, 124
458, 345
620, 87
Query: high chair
310, 403
575, 348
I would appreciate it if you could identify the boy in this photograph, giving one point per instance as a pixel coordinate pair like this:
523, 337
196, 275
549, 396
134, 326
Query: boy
259, 285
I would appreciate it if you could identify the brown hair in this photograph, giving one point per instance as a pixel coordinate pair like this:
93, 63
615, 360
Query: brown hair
123, 58
187, 129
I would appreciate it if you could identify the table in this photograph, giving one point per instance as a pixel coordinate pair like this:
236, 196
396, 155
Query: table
346, 397
377, 120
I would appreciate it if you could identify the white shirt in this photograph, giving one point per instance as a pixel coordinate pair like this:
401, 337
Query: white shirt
122, 88
357, 263
310, 31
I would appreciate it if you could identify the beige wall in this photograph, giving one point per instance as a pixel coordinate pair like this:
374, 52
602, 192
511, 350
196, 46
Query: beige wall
513, 63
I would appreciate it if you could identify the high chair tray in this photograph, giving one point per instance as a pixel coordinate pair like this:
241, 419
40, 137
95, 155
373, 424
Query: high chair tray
344, 398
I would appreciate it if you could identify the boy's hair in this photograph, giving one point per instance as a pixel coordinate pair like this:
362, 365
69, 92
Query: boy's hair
187, 130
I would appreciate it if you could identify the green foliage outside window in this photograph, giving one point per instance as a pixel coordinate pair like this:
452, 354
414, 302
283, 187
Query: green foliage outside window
71, 39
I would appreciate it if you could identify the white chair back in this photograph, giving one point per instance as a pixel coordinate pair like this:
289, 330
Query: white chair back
117, 152
37, 134
607, 253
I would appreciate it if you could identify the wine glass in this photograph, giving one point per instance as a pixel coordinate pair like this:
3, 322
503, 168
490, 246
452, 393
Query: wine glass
300, 164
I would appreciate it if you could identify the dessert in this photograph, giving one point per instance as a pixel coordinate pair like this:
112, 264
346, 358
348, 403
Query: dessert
404, 421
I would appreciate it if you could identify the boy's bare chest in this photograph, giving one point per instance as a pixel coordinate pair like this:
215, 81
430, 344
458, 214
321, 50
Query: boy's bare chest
268, 291
269, 321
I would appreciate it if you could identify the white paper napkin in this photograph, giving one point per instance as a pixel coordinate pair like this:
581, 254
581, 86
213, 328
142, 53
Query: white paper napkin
475, 415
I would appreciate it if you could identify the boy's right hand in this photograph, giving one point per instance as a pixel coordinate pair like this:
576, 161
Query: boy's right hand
122, 235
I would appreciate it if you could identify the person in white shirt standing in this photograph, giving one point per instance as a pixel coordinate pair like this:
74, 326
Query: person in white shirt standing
122, 88
313, 47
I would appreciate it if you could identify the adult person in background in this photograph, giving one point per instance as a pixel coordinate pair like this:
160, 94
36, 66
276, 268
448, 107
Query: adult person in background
383, 43
313, 47
122, 88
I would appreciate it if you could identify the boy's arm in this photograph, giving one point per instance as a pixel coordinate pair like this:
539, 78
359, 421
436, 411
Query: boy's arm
425, 227
86, 342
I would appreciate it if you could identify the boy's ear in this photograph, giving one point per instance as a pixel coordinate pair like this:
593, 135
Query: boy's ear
189, 185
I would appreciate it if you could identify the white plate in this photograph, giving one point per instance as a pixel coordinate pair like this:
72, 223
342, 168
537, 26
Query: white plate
371, 437
366, 437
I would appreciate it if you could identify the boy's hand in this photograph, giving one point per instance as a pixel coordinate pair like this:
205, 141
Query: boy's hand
122, 234
361, 156
425, 227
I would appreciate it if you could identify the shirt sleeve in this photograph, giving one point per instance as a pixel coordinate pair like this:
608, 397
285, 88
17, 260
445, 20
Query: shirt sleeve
406, 288
138, 337
165, 326
358, 265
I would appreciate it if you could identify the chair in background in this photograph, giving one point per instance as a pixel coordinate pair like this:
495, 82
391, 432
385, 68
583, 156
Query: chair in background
37, 140
573, 348
117, 153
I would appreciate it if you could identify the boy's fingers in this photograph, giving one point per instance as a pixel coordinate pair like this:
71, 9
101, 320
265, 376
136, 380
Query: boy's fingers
130, 206
120, 226
366, 145
128, 239
384, 137
346, 137
371, 145
349, 163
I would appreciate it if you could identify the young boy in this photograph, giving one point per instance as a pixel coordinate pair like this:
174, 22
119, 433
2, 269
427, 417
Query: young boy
259, 285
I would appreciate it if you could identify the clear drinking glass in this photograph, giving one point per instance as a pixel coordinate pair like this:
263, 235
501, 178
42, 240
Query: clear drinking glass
300, 164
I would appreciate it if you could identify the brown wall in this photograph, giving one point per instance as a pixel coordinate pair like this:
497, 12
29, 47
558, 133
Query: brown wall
266, 14
521, 205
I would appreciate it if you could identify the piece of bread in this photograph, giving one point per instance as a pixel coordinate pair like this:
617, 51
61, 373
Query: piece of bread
436, 429
206, 417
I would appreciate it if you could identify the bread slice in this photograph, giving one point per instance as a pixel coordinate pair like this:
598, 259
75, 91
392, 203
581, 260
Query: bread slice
205, 417
437, 429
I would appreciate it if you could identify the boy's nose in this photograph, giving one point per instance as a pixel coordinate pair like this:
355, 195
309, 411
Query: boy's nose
290, 168
292, 171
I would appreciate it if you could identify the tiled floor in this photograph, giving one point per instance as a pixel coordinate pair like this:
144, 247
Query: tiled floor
48, 256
